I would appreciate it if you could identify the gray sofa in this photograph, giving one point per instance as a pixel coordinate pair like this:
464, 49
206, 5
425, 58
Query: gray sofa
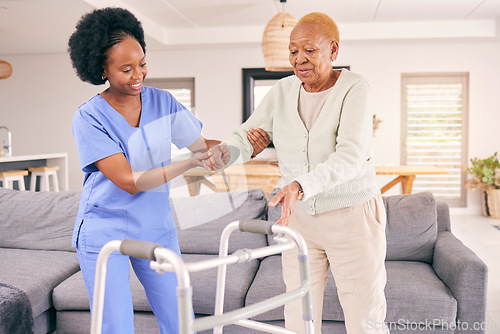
434, 283
36, 256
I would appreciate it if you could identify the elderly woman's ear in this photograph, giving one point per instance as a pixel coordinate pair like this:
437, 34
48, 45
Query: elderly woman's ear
334, 50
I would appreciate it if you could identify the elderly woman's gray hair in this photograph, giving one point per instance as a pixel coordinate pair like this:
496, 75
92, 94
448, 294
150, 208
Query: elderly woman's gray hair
326, 24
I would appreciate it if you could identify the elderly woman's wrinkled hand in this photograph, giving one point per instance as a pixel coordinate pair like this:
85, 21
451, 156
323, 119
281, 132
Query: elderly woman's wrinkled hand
218, 157
287, 197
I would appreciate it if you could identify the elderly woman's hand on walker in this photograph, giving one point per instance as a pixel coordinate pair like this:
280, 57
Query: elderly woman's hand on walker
287, 197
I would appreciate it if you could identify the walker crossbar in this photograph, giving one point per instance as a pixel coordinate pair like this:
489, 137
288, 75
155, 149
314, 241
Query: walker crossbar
246, 312
234, 258
263, 327
164, 259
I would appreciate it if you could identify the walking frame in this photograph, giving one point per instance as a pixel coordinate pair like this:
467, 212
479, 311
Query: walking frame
163, 259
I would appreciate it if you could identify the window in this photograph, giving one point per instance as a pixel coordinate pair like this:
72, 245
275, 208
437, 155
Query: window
256, 83
434, 126
181, 88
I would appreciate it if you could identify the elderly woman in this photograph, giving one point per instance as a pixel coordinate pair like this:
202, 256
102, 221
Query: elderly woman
321, 125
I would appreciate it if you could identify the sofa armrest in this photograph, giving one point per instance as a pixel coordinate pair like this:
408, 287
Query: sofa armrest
443, 216
466, 276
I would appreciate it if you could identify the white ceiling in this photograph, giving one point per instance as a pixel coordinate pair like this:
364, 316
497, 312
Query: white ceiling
43, 26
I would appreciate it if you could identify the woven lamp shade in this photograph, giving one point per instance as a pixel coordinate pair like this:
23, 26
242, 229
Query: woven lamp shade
5, 69
275, 42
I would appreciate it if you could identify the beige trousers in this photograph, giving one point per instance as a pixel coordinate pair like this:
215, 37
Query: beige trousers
351, 241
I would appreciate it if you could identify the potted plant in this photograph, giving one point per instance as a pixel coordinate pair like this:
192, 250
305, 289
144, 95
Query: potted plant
486, 177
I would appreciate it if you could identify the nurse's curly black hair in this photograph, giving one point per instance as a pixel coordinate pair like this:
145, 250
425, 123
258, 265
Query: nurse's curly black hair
95, 34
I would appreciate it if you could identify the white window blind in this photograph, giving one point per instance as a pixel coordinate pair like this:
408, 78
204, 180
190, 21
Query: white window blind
435, 132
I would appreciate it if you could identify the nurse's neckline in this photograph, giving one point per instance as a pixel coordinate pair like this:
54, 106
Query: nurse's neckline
132, 121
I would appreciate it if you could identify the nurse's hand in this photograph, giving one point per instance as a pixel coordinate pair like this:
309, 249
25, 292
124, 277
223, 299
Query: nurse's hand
219, 156
259, 140
199, 159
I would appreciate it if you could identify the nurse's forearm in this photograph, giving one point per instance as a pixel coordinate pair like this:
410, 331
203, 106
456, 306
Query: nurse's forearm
117, 169
202, 144
153, 178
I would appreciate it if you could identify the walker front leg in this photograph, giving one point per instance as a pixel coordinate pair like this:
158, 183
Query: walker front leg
305, 275
184, 288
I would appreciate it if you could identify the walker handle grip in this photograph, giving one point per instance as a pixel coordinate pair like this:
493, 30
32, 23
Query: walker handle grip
256, 226
139, 249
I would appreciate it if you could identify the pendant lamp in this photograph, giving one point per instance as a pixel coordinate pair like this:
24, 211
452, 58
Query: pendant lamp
275, 41
5, 69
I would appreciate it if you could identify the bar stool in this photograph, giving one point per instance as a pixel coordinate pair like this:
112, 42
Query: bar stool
46, 174
9, 177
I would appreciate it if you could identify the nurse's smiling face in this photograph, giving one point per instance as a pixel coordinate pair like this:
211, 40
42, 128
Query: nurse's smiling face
125, 67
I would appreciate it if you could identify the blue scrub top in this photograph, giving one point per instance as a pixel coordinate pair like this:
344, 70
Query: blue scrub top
107, 212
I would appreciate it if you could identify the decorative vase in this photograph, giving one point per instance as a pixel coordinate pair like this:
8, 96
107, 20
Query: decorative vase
491, 203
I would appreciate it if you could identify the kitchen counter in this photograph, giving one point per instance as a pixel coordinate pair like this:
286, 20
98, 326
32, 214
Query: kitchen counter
37, 160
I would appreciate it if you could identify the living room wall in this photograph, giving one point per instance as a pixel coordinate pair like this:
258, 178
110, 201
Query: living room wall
39, 99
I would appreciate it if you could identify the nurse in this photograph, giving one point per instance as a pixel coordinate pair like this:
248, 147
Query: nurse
124, 136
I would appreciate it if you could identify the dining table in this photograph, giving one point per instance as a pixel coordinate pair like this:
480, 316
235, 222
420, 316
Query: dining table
265, 174
262, 174
406, 174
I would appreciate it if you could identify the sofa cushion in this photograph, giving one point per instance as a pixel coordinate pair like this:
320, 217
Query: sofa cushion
274, 212
37, 220
411, 227
216, 211
414, 293
36, 273
267, 283
79, 322
239, 277
72, 295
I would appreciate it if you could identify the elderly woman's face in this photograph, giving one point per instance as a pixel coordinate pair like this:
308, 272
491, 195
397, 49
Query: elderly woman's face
311, 54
